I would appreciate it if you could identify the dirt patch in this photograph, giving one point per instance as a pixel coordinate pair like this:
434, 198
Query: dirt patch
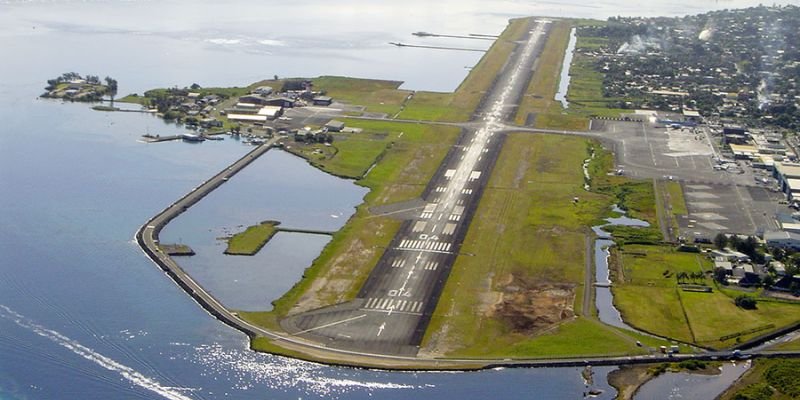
522, 168
489, 299
547, 164
529, 307
441, 342
333, 286
628, 378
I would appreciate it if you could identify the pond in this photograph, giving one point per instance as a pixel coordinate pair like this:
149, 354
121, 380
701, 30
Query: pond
278, 186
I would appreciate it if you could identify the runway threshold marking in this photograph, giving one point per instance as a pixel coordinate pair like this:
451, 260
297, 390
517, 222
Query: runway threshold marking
389, 305
330, 324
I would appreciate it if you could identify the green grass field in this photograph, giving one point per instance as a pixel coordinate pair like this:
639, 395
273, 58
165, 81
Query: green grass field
350, 155
376, 95
252, 239
637, 197
703, 318
581, 337
536, 235
432, 106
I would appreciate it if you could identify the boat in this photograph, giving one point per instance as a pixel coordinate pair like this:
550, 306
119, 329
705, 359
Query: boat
214, 137
190, 137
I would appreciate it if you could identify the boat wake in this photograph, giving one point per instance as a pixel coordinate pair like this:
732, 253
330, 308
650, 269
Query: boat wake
128, 373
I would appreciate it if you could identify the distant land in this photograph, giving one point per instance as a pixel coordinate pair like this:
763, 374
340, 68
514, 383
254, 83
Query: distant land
74, 87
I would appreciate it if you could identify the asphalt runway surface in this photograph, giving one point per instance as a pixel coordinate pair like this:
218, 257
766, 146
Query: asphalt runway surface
393, 308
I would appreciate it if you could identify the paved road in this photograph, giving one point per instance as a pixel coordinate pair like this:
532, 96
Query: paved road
393, 308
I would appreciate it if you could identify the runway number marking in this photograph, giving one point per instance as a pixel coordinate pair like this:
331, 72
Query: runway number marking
399, 293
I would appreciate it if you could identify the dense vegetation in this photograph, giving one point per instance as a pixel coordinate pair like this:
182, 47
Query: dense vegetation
72, 86
768, 380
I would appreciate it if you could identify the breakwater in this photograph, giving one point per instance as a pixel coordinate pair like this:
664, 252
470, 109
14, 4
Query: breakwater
148, 239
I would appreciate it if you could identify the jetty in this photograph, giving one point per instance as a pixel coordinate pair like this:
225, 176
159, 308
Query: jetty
306, 231
400, 44
470, 36
158, 138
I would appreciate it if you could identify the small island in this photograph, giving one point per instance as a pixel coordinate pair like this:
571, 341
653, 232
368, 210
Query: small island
252, 239
73, 86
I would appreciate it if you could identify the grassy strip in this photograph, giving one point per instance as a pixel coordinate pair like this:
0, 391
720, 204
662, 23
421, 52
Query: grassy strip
540, 94
650, 272
637, 197
413, 153
432, 106
676, 199
582, 337
376, 95
134, 99
670, 204
529, 243
350, 155
586, 84
541, 91
252, 239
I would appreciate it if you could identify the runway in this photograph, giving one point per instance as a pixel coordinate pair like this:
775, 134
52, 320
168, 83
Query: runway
393, 308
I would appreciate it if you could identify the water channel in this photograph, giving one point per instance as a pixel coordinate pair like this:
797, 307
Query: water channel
604, 299
684, 385
563, 82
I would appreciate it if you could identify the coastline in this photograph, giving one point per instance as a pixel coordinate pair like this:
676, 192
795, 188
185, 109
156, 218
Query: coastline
283, 343
287, 345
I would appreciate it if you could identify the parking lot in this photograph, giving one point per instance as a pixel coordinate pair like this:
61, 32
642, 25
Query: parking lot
721, 196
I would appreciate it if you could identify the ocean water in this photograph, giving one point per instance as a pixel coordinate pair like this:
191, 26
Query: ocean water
83, 313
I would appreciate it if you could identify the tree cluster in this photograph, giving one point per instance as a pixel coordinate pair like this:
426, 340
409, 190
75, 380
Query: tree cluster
747, 246
746, 302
